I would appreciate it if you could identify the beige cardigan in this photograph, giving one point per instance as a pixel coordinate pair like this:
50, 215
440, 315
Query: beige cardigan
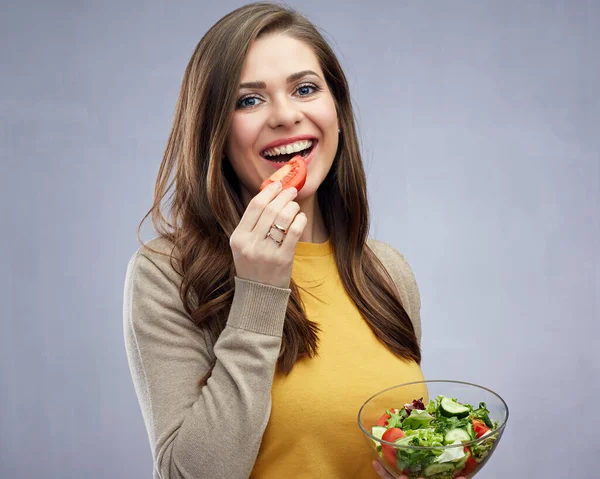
193, 430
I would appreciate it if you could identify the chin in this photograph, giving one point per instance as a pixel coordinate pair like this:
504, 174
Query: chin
308, 190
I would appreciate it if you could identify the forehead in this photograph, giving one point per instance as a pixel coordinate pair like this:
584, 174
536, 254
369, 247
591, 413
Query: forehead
276, 56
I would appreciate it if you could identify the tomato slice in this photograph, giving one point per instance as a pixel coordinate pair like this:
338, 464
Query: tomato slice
382, 421
389, 452
479, 427
292, 174
470, 465
393, 434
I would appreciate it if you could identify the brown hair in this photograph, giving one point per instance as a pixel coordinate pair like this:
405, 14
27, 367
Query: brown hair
205, 198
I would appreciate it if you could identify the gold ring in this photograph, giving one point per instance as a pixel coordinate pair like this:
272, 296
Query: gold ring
280, 228
276, 241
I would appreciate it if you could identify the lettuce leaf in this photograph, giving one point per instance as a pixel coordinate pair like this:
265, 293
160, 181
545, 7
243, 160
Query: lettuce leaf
416, 460
433, 406
416, 404
444, 424
483, 414
454, 454
418, 419
396, 418
482, 449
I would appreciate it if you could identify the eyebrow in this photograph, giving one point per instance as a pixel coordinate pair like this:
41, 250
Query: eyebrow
261, 85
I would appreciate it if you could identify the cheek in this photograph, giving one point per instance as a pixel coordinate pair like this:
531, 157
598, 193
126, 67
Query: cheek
326, 115
243, 133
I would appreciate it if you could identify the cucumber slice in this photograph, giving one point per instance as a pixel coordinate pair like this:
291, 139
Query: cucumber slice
457, 434
471, 431
378, 431
437, 468
449, 408
488, 421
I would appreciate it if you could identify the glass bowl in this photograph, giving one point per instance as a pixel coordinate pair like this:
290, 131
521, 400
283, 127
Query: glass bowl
469, 456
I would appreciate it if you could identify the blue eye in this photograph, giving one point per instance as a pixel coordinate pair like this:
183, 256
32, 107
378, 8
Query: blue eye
248, 102
305, 90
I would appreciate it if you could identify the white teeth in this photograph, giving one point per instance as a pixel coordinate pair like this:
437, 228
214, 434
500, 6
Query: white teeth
288, 149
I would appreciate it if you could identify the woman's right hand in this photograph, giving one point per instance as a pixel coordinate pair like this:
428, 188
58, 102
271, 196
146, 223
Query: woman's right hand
258, 257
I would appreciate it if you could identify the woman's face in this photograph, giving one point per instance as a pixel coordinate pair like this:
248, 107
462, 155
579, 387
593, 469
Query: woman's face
283, 100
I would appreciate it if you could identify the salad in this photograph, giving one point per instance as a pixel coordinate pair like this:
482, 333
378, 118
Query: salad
442, 422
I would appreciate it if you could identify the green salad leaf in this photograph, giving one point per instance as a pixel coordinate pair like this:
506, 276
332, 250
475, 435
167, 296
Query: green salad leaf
483, 414
418, 419
453, 454
443, 475
482, 449
433, 406
396, 418
416, 460
444, 424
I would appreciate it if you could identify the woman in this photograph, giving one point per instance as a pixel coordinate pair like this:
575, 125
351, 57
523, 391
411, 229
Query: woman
258, 322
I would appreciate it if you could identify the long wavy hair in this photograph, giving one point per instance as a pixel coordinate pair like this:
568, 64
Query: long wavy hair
203, 196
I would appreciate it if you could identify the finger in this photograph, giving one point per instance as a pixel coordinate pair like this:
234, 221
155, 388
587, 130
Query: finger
284, 219
294, 232
381, 472
267, 218
257, 205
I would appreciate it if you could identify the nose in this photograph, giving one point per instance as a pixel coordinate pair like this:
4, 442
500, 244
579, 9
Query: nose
284, 112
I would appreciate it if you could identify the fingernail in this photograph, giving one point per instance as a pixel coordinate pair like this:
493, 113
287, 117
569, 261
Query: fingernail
277, 185
294, 191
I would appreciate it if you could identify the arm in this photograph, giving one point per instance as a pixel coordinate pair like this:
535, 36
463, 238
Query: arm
214, 431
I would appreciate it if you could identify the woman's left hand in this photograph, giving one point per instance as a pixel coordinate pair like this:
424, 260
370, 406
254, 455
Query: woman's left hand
381, 472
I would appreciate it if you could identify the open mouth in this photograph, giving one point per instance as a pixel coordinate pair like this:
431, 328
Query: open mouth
285, 153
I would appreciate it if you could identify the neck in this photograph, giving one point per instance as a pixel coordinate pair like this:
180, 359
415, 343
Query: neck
315, 231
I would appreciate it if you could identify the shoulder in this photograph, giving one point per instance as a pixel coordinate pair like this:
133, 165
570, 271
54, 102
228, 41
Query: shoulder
154, 315
156, 249
155, 257
403, 277
393, 260
153, 277
152, 292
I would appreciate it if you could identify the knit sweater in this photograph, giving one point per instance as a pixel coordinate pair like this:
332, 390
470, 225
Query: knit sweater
215, 431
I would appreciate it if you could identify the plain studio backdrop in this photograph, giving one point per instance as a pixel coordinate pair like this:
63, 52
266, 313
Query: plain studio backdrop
479, 123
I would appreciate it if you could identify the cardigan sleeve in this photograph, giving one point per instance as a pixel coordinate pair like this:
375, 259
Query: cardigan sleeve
214, 430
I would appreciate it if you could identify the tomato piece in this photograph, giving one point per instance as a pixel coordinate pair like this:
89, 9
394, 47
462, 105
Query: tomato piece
479, 427
389, 452
470, 465
292, 174
382, 421
393, 434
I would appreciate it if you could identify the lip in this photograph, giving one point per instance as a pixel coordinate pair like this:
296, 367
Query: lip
307, 160
285, 141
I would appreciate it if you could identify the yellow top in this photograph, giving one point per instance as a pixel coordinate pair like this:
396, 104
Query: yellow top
313, 430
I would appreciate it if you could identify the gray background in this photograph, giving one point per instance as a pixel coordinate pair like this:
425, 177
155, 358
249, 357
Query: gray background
479, 125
